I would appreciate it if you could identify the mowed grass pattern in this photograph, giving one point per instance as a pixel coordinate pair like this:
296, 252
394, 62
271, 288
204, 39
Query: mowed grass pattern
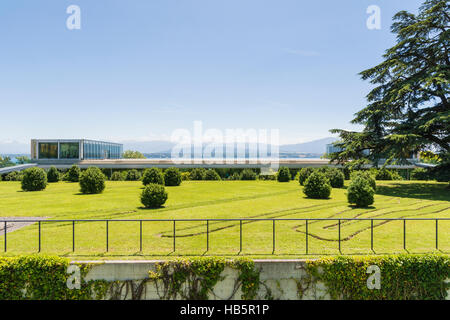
224, 199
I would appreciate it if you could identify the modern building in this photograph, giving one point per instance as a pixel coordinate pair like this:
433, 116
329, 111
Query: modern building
74, 150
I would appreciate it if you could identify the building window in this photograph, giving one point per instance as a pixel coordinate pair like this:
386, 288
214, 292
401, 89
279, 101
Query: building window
69, 150
48, 150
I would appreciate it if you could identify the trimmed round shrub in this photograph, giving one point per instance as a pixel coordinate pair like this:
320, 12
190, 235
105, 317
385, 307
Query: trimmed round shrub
117, 176
185, 176
73, 175
133, 175
34, 179
383, 174
396, 175
366, 175
235, 176
317, 186
53, 175
212, 174
248, 174
336, 177
153, 175
283, 174
172, 177
92, 181
14, 176
154, 196
420, 174
304, 174
346, 171
360, 192
267, 177
197, 174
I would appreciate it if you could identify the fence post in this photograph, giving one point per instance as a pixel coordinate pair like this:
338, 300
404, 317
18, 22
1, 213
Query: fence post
240, 236
140, 236
437, 235
273, 236
371, 235
207, 235
404, 234
174, 236
5, 235
39, 224
73, 236
339, 228
306, 236
107, 236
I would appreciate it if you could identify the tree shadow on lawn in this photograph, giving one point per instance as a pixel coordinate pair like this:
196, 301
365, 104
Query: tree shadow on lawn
417, 190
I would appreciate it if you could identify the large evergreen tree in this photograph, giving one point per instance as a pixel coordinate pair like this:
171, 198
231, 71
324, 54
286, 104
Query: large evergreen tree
408, 110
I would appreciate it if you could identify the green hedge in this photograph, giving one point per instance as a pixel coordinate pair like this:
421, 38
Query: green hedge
403, 277
38, 277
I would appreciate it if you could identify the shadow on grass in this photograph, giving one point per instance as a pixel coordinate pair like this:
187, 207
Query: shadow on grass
418, 190
249, 254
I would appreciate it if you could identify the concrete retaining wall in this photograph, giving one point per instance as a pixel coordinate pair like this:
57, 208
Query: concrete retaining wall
280, 279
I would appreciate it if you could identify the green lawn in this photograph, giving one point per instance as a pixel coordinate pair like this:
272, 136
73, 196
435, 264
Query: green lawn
224, 199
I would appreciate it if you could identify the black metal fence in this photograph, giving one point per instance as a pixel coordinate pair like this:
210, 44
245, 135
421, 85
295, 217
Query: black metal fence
240, 220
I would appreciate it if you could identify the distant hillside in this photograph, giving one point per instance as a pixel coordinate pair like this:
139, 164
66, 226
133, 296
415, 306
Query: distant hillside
149, 146
14, 147
316, 146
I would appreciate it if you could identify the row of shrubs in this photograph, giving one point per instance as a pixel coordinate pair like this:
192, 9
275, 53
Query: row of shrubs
319, 182
92, 181
231, 174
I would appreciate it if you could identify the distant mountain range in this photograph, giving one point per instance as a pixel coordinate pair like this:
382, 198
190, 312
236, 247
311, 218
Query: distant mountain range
317, 147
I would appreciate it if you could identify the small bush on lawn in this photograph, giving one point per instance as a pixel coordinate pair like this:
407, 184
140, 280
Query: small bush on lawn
383, 174
185, 176
317, 186
133, 175
153, 196
73, 175
212, 174
235, 176
172, 177
360, 192
14, 176
248, 174
336, 177
117, 176
92, 181
304, 174
53, 175
267, 177
197, 174
283, 174
420, 174
396, 175
34, 179
153, 175
346, 171
366, 175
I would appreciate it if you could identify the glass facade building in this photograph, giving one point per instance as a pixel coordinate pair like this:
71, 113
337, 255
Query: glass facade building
75, 150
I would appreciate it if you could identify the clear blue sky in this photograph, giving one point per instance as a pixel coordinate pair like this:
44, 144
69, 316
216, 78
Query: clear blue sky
139, 69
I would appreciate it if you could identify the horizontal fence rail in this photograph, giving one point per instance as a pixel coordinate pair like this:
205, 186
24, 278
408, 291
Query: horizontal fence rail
207, 222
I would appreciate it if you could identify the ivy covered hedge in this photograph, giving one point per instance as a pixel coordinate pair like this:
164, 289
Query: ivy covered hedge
195, 278
37, 277
403, 277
